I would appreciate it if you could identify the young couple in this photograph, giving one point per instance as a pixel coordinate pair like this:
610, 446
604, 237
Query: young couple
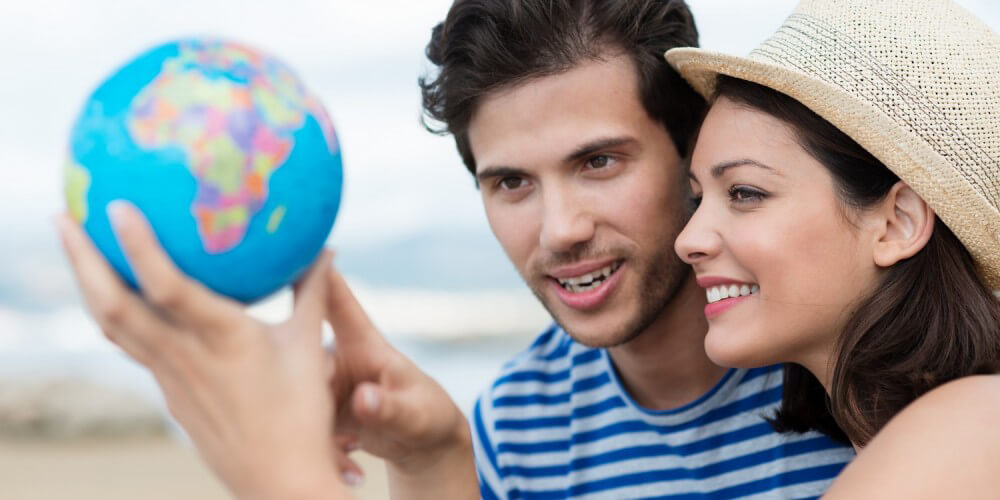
845, 184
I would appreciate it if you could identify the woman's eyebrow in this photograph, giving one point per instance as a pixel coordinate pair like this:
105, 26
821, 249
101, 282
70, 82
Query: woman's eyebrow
721, 168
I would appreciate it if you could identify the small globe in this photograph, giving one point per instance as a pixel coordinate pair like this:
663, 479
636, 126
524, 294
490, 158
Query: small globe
235, 164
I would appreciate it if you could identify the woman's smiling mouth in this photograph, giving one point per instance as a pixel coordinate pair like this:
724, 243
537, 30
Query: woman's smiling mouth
723, 293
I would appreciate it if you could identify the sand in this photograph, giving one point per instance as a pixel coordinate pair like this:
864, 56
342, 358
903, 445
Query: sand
141, 469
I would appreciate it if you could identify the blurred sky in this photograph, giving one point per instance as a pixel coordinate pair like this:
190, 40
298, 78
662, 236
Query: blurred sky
410, 216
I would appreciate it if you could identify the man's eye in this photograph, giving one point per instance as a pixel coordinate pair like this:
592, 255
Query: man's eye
694, 201
601, 161
511, 183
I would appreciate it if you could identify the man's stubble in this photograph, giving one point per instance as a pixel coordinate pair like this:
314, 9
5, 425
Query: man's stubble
661, 276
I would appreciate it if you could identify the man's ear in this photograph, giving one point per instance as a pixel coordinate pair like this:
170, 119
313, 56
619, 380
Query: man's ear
906, 223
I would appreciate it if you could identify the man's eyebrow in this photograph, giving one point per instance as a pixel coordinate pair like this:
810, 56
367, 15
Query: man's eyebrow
596, 145
721, 168
498, 171
583, 151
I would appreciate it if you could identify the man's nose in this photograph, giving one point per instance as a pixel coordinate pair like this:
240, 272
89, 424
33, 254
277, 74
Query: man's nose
566, 223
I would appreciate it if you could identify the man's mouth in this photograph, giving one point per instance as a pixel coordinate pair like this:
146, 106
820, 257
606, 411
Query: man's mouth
589, 281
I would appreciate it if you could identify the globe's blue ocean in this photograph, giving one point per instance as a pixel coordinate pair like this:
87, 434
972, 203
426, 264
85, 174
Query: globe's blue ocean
286, 228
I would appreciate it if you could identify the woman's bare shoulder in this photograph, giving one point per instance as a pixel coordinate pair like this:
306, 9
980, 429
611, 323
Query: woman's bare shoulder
946, 443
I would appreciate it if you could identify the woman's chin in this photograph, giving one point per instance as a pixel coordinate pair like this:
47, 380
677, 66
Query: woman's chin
726, 352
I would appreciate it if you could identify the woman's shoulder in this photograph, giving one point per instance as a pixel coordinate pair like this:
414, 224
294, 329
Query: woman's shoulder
966, 399
946, 442
964, 412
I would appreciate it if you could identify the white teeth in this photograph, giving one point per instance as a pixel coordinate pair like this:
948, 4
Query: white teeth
717, 293
590, 280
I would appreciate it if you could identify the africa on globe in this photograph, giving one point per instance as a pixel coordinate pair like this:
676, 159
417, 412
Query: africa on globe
235, 164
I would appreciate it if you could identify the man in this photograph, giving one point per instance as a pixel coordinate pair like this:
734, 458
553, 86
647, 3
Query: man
575, 131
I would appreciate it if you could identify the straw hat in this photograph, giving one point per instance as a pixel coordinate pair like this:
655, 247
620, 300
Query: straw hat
915, 82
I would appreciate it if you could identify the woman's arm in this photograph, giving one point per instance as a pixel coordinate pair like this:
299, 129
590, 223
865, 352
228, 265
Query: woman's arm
946, 444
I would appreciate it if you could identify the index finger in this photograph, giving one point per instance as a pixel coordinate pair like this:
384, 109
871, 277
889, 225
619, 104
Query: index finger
349, 321
310, 294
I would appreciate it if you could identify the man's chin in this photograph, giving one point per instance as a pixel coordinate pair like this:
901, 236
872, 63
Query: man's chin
593, 335
608, 327
611, 327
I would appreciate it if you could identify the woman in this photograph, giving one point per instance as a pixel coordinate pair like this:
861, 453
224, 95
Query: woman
847, 178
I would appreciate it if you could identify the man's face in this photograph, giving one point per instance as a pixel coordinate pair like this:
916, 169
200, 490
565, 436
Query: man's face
586, 194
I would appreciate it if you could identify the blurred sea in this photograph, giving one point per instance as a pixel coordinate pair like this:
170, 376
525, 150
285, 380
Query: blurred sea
459, 338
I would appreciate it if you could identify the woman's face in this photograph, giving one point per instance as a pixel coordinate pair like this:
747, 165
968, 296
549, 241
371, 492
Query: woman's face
782, 260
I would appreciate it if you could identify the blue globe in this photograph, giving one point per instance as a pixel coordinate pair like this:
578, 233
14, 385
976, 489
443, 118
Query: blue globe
235, 164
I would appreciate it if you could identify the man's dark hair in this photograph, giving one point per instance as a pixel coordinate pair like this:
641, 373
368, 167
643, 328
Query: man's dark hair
486, 45
930, 319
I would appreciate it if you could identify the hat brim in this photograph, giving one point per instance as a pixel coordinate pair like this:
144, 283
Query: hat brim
964, 210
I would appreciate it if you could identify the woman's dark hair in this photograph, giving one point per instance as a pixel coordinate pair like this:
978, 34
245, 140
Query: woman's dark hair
930, 320
486, 45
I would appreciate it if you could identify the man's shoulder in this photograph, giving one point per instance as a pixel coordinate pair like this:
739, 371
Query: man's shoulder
548, 360
543, 376
531, 397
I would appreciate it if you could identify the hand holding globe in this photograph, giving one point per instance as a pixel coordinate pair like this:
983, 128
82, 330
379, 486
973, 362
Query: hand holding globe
238, 172
234, 163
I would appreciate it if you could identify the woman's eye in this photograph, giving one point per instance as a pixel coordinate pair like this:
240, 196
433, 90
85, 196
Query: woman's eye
746, 194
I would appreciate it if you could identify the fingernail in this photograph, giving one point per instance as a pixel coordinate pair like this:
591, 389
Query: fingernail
353, 478
352, 446
118, 212
371, 399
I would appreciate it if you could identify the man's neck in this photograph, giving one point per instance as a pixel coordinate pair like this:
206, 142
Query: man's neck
666, 366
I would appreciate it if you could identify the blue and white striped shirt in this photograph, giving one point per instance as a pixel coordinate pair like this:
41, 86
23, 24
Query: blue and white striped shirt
557, 423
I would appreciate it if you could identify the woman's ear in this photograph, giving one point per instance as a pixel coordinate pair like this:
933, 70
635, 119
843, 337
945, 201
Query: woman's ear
906, 224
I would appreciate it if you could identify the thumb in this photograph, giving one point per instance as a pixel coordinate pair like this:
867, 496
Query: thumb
387, 412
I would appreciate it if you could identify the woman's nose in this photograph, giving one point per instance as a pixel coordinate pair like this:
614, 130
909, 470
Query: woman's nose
698, 241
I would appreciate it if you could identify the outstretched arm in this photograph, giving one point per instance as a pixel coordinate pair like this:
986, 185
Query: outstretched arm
253, 397
946, 444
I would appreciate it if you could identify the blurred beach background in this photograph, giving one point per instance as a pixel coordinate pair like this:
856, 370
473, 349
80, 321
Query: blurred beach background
79, 419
